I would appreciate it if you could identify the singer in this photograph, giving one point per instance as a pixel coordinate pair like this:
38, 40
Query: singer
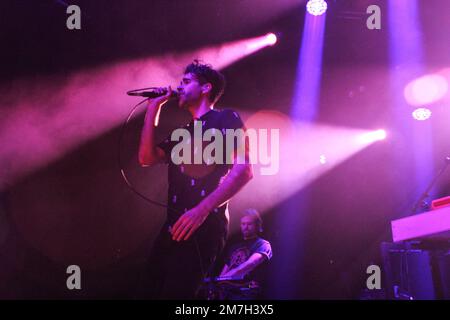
195, 232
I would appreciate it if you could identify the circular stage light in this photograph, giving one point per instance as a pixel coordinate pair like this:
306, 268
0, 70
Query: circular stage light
372, 136
316, 7
421, 114
271, 39
380, 134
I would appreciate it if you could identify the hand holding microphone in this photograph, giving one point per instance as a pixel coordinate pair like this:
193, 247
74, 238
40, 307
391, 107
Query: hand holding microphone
157, 96
153, 92
160, 96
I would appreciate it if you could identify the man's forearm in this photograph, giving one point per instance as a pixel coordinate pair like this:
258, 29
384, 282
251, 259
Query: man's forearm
238, 176
225, 269
255, 260
147, 148
243, 269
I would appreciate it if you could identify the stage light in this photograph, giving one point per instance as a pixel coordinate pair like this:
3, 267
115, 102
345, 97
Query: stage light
316, 7
407, 51
421, 114
426, 89
258, 43
322, 159
373, 136
380, 135
271, 39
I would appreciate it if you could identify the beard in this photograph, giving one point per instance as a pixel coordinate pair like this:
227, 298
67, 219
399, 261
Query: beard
182, 103
186, 101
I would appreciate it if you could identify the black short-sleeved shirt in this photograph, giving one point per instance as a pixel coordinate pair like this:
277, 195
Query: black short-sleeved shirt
239, 252
189, 184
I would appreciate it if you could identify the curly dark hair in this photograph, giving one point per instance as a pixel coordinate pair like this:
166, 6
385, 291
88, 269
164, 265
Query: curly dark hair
206, 74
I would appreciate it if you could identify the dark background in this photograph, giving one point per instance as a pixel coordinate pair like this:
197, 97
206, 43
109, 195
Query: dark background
77, 210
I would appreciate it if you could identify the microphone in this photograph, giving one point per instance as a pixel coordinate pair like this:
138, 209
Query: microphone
152, 93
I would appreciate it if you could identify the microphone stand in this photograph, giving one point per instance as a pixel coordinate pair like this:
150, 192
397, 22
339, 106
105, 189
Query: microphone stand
421, 202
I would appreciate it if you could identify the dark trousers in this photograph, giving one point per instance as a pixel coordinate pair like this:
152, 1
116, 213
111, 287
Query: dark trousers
176, 269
